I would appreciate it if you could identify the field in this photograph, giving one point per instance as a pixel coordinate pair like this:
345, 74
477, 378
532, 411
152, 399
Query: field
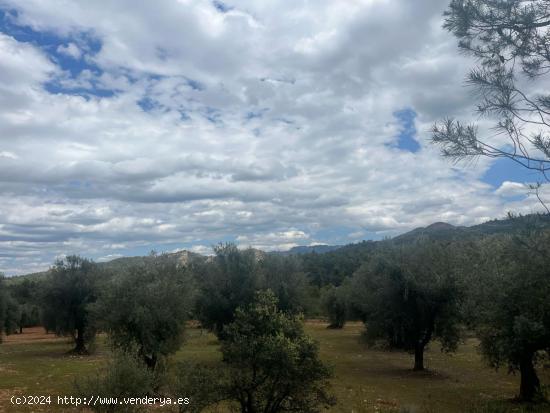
365, 380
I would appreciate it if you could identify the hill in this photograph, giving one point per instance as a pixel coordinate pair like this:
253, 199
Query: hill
180, 257
330, 264
510, 225
334, 266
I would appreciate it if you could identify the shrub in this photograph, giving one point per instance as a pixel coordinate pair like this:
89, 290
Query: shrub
124, 376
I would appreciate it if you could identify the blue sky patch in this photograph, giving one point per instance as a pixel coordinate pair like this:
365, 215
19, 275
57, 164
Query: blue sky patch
54, 87
406, 139
51, 44
147, 104
55, 47
504, 169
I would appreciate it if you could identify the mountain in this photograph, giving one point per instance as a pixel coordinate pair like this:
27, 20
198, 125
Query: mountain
180, 257
438, 230
332, 263
334, 266
509, 225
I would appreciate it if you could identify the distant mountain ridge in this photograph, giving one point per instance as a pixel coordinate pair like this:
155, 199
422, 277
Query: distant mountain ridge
510, 225
355, 253
182, 257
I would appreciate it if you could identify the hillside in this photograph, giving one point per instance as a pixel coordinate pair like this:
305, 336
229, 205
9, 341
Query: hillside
332, 263
181, 257
510, 225
334, 266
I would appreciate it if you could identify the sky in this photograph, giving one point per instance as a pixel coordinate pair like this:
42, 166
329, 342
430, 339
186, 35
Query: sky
136, 125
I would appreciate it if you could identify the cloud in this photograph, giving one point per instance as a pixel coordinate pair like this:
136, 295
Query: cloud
8, 155
70, 50
512, 189
134, 125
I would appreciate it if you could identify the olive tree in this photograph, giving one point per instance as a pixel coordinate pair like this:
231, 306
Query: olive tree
514, 311
229, 280
12, 319
124, 376
409, 295
67, 294
335, 303
3, 304
25, 293
145, 307
284, 276
273, 365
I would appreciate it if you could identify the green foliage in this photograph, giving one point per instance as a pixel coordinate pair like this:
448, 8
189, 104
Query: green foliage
273, 365
284, 276
124, 376
233, 276
332, 268
3, 304
68, 292
29, 316
514, 316
409, 295
335, 304
269, 365
9, 311
229, 280
22, 304
12, 316
205, 385
146, 307
26, 291
26, 294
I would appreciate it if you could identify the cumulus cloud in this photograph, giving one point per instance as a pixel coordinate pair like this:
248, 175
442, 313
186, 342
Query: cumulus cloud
512, 189
180, 124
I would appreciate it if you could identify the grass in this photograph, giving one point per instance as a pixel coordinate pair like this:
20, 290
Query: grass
365, 380
37, 364
375, 380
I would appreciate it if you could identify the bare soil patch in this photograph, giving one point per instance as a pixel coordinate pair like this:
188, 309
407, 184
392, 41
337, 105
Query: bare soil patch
31, 335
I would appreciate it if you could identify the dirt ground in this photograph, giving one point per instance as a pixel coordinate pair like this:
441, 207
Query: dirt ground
31, 335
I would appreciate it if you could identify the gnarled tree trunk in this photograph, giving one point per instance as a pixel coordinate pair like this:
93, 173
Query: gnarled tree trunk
530, 384
150, 361
80, 346
421, 345
419, 357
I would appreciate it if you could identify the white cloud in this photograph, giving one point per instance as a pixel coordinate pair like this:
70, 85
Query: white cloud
70, 50
109, 257
508, 188
268, 124
8, 155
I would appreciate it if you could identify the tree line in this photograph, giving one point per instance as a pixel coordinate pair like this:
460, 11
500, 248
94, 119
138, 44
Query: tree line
407, 296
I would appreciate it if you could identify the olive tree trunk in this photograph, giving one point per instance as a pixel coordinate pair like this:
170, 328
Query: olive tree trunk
530, 384
419, 357
80, 345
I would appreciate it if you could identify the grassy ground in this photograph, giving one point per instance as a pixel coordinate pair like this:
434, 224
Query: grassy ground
369, 380
365, 380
